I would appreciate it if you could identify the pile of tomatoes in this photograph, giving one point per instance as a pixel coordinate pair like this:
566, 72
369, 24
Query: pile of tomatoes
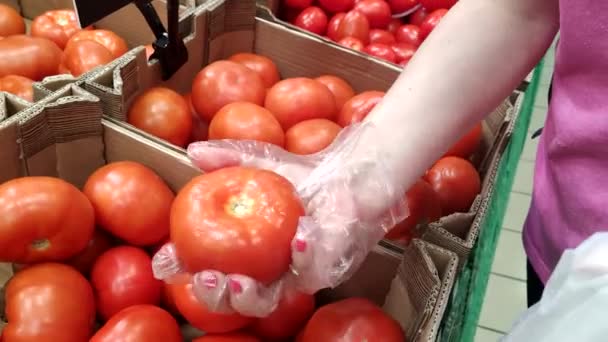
391, 30
56, 45
82, 257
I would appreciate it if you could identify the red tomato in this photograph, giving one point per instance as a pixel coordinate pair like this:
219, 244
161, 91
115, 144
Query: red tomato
131, 202
467, 145
236, 220
56, 25
167, 299
400, 6
297, 99
378, 12
246, 121
313, 19
19, 86
197, 314
288, 319
404, 52
431, 21
34, 58
163, 113
311, 136
409, 34
99, 244
424, 207
358, 107
354, 24
262, 65
85, 55
298, 4
352, 320
394, 25
456, 182
122, 277
332, 27
381, 51
49, 302
417, 18
381, 37
224, 82
235, 337
43, 219
140, 323
352, 43
11, 22
109, 39
341, 90
335, 6
432, 5
200, 127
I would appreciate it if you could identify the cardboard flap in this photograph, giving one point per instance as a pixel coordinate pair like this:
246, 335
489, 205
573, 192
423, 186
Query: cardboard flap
10, 153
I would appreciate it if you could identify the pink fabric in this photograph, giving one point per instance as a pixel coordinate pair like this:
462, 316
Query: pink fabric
570, 196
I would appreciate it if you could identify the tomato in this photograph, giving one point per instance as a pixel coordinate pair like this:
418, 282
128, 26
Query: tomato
400, 6
424, 207
341, 90
85, 55
11, 22
56, 25
246, 121
298, 4
197, 314
311, 136
418, 17
381, 51
224, 82
378, 12
34, 58
288, 318
394, 25
235, 337
43, 219
99, 244
431, 21
352, 43
456, 182
432, 5
131, 202
109, 39
163, 113
19, 86
381, 36
354, 24
358, 107
122, 277
404, 52
49, 302
335, 6
200, 127
332, 27
236, 220
467, 145
262, 65
140, 323
352, 320
409, 34
297, 99
313, 19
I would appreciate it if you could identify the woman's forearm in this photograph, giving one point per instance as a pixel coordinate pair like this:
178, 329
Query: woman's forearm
476, 57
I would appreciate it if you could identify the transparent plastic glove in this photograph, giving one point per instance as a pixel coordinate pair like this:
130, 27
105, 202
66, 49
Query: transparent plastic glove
575, 300
350, 205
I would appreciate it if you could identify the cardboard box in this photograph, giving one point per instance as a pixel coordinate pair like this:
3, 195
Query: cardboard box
66, 137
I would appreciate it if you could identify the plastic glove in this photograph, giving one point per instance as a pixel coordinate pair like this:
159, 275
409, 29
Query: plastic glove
350, 205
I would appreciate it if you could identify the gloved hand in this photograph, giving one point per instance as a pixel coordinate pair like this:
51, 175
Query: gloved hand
350, 204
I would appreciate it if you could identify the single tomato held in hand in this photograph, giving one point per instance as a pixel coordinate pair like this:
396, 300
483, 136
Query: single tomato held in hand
262, 65
85, 55
311, 136
456, 182
313, 19
19, 86
56, 25
141, 323
11, 22
340, 88
357, 108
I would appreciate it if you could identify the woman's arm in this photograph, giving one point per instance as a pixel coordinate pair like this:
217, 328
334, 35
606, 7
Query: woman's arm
472, 61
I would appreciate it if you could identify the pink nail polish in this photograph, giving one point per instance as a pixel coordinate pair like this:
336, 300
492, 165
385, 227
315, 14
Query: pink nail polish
210, 281
235, 286
301, 246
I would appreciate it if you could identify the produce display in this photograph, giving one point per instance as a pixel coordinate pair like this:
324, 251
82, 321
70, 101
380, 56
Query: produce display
391, 30
55, 45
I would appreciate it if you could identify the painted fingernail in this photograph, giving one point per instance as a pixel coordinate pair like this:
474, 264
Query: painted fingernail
300, 246
235, 286
210, 281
